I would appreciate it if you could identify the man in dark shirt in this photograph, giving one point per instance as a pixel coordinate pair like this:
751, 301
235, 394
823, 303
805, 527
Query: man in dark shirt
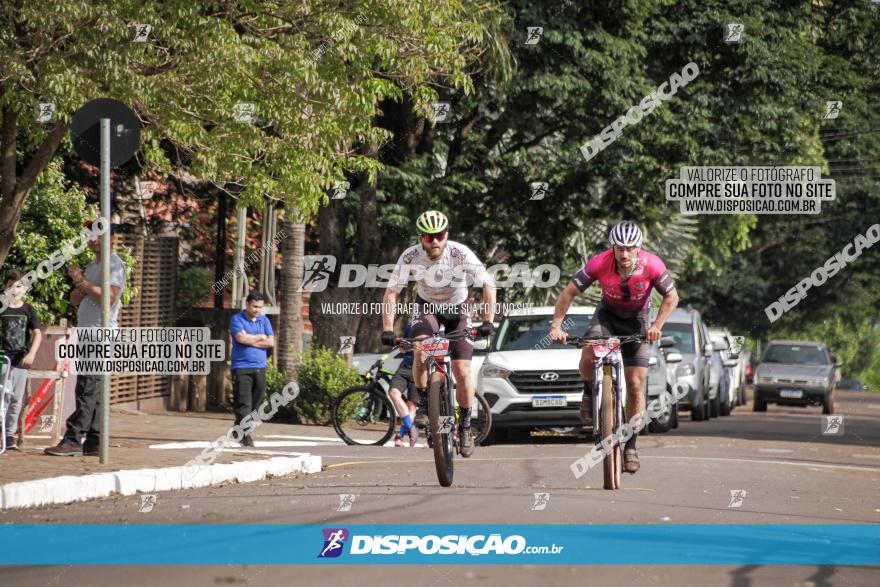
405, 395
20, 337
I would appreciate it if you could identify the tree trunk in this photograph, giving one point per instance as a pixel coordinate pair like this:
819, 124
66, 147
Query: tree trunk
290, 326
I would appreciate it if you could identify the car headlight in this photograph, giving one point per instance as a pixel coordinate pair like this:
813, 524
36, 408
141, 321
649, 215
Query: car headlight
684, 370
490, 370
818, 382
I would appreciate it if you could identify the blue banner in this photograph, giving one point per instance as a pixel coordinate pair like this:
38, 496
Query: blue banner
600, 544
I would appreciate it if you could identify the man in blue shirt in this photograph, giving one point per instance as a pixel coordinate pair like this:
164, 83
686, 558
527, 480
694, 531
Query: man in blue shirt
405, 395
252, 335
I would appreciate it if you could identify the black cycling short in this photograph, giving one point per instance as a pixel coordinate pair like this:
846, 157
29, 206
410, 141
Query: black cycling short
427, 324
607, 323
403, 381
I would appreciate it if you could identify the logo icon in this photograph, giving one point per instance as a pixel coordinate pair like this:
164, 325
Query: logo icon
44, 112
734, 32
441, 111
541, 501
340, 190
832, 425
346, 500
549, 376
244, 112
334, 540
317, 272
832, 109
147, 503
346, 344
737, 496
533, 34
446, 424
47, 422
539, 190
142, 32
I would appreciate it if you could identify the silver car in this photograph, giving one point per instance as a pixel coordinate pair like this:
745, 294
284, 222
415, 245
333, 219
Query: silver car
798, 373
693, 345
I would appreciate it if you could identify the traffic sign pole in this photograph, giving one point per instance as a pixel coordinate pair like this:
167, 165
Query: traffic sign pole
105, 283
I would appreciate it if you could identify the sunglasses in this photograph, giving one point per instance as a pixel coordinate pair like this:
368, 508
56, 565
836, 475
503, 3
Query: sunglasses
433, 237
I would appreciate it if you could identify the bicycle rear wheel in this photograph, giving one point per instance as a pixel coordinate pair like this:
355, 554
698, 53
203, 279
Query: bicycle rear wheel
481, 422
441, 420
611, 464
364, 415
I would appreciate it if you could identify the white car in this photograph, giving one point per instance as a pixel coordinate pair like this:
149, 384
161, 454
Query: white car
734, 361
528, 381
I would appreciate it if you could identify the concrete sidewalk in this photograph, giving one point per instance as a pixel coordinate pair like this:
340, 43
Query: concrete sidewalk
175, 438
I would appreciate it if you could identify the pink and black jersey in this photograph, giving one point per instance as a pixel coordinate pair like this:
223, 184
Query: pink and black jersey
625, 297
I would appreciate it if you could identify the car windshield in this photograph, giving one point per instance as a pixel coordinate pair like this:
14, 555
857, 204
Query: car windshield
794, 354
522, 333
683, 335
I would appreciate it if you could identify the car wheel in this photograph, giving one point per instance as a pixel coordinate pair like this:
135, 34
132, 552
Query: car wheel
726, 406
759, 405
700, 413
715, 405
662, 423
828, 403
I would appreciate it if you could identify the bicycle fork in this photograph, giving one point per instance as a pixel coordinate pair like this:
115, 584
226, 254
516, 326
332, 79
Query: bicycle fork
615, 370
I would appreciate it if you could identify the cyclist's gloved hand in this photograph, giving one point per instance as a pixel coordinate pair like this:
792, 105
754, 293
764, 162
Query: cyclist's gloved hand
388, 338
486, 329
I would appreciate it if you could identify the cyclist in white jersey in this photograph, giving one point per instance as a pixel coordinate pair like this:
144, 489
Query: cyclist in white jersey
443, 270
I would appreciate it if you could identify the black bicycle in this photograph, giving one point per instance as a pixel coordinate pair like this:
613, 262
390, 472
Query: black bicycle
363, 414
442, 415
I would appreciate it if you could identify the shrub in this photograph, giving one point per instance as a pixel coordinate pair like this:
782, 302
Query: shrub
322, 376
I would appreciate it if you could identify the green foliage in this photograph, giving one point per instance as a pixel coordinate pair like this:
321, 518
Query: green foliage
322, 376
275, 382
193, 286
53, 215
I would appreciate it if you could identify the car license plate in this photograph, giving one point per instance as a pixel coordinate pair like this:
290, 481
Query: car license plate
793, 393
549, 401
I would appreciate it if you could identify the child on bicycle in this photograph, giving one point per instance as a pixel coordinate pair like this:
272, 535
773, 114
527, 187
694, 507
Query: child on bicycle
405, 405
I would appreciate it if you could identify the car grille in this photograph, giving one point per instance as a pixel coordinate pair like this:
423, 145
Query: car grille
530, 382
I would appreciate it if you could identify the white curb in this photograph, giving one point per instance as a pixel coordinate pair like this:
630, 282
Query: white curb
70, 488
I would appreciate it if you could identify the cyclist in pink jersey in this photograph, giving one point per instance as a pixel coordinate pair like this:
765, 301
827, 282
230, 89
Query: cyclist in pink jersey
626, 274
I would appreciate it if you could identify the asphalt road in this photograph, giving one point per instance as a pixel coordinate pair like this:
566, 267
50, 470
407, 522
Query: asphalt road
788, 470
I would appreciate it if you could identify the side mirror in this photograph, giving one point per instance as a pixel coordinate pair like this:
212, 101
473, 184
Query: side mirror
733, 355
730, 363
667, 341
481, 344
652, 361
673, 357
719, 345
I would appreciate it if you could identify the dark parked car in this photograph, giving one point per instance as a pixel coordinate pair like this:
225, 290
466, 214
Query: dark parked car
851, 385
797, 373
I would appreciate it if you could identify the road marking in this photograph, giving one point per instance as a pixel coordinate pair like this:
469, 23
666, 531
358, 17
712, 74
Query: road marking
205, 444
792, 463
775, 450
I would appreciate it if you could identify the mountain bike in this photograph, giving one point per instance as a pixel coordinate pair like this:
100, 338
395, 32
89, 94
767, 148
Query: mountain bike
609, 399
442, 417
364, 415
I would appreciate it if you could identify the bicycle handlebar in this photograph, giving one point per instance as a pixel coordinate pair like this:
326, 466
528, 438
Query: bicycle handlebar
582, 341
454, 335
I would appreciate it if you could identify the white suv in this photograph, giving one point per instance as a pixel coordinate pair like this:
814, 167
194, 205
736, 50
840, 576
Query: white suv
528, 381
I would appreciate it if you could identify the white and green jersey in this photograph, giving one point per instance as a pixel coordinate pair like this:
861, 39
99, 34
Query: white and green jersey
444, 280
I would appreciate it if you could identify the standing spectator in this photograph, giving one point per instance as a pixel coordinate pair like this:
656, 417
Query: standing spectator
85, 421
20, 337
252, 335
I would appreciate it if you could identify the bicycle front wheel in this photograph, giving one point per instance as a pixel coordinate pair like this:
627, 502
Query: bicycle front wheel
441, 420
612, 462
364, 415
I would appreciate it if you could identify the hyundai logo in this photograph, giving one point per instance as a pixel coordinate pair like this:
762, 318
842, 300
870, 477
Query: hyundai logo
549, 376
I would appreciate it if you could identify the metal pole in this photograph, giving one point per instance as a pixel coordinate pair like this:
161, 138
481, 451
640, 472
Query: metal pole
105, 283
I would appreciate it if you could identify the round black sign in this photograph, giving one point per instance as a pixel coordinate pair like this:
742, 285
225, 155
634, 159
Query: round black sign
125, 131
